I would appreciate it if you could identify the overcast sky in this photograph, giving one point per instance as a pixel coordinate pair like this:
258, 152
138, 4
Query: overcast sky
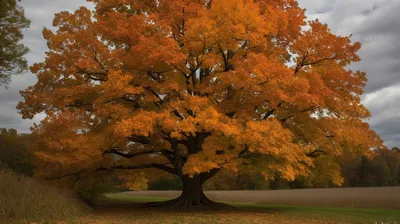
375, 23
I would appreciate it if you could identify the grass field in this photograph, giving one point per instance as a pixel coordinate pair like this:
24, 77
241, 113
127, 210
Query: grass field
373, 197
122, 209
313, 206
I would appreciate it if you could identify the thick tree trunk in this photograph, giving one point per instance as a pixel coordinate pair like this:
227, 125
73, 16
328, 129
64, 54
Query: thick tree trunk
192, 197
192, 190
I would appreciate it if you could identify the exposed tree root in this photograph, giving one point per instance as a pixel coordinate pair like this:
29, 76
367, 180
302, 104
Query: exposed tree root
183, 203
192, 197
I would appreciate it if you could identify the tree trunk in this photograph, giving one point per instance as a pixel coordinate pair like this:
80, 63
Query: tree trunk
192, 197
192, 190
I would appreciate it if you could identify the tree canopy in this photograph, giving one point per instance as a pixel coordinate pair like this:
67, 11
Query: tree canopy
189, 87
12, 21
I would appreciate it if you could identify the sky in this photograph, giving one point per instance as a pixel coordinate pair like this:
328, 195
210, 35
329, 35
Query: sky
374, 23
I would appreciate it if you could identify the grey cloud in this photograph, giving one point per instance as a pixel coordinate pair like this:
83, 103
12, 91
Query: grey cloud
316, 7
9, 117
385, 109
383, 20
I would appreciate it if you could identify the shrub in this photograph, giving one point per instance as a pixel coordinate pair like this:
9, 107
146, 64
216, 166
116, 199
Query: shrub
24, 199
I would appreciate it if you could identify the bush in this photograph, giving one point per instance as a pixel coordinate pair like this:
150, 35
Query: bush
14, 152
23, 199
92, 189
168, 182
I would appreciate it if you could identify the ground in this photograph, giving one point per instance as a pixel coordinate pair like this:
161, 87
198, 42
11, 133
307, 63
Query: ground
124, 208
312, 206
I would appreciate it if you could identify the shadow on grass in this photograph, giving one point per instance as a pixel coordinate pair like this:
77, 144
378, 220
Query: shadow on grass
125, 202
121, 202
353, 215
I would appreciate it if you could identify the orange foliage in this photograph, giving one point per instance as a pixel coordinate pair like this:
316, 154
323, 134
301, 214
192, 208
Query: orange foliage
192, 86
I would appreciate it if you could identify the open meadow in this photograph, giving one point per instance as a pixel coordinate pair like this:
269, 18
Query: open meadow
341, 205
371, 197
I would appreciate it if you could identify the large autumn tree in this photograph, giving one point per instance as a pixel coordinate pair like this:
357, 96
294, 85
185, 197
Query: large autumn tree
192, 86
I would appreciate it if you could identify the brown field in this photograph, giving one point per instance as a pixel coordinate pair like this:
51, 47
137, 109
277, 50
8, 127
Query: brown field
373, 197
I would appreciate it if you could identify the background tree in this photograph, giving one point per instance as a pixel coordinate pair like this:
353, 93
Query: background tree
12, 21
380, 169
191, 87
167, 182
389, 167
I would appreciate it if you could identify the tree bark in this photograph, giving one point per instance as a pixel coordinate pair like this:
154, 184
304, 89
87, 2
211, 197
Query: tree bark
192, 197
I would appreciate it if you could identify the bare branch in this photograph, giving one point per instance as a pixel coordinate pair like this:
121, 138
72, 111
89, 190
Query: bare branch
127, 155
144, 166
225, 58
97, 60
321, 60
169, 156
241, 153
271, 112
205, 176
67, 175
292, 116
139, 139
316, 153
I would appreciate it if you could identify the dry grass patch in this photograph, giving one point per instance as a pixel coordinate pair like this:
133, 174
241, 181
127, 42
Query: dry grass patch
23, 199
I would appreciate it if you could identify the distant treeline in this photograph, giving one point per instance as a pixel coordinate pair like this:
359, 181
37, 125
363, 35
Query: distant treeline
381, 169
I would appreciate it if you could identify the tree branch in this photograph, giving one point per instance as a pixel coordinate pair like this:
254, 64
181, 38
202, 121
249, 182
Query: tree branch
292, 116
241, 153
321, 60
316, 153
205, 176
169, 156
139, 139
97, 60
127, 155
271, 112
67, 175
224, 57
162, 167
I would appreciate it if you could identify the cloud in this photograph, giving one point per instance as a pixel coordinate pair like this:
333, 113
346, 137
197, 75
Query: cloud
385, 109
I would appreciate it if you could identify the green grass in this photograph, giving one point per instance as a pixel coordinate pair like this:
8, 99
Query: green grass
288, 212
353, 215
136, 199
